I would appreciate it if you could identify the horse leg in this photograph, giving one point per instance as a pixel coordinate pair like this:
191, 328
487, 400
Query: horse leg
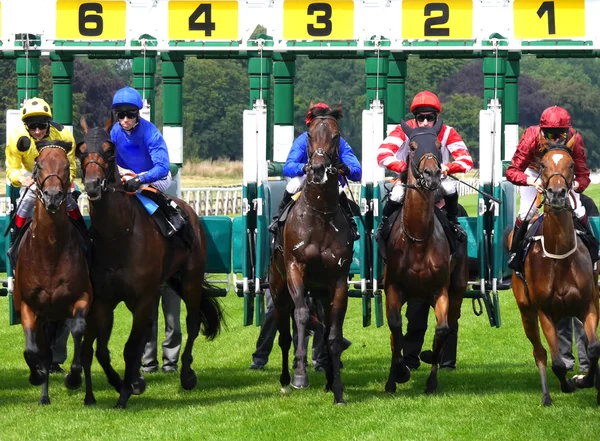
296, 288
87, 355
399, 372
442, 330
32, 352
73, 378
133, 351
282, 310
593, 349
192, 293
558, 365
334, 338
103, 317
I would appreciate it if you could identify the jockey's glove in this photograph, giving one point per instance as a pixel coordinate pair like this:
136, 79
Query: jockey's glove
132, 185
23, 143
343, 169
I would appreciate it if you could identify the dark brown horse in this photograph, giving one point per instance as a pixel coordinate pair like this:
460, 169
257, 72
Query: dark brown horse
51, 278
559, 280
420, 264
131, 259
317, 252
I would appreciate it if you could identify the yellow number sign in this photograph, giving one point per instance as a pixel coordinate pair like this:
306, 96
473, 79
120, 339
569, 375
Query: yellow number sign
431, 20
549, 19
314, 20
90, 20
195, 20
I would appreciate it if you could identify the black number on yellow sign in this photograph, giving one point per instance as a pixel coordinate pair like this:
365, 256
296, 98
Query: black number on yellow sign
324, 20
90, 25
207, 25
431, 8
549, 8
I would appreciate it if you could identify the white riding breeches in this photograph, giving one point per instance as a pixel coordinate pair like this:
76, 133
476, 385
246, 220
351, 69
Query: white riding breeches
528, 209
296, 183
398, 191
26, 202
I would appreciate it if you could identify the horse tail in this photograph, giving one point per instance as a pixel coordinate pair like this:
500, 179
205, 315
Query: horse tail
211, 312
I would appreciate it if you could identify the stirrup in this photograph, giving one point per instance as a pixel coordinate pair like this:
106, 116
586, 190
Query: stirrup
459, 231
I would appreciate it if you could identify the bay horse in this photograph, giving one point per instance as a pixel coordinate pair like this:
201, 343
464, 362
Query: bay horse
559, 279
52, 280
420, 263
316, 257
131, 260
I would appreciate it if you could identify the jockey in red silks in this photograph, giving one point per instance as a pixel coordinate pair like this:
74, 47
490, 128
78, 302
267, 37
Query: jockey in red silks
555, 126
394, 151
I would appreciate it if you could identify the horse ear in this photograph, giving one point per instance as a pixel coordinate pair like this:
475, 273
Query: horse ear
109, 122
339, 106
543, 142
310, 105
84, 125
408, 130
80, 150
438, 125
571, 142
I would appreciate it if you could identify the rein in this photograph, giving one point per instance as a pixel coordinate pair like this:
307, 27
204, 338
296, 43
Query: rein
40, 185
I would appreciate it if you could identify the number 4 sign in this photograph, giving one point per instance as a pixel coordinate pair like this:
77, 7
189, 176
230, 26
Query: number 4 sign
213, 20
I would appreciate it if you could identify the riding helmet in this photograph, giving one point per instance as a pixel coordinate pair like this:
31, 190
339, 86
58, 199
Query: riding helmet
555, 118
36, 107
426, 101
127, 97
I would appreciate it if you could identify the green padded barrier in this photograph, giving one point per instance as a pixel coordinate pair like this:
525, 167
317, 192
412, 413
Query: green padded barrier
238, 238
218, 230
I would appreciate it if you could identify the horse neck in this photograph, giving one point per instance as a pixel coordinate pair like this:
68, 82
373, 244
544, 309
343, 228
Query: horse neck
323, 197
418, 211
51, 231
112, 214
558, 231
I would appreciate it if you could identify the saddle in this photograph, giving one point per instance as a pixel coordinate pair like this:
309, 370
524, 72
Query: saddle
276, 226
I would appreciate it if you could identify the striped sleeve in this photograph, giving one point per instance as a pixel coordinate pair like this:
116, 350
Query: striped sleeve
392, 153
462, 161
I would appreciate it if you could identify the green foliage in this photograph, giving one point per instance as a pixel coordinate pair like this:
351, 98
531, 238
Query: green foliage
461, 111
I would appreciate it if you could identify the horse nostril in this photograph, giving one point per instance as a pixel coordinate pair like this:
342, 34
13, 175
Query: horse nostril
550, 192
563, 192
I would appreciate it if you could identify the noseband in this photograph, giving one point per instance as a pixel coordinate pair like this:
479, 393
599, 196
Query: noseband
421, 181
96, 140
545, 183
40, 185
320, 151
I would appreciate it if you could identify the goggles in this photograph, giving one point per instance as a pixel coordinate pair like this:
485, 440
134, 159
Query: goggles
555, 134
429, 117
38, 125
131, 114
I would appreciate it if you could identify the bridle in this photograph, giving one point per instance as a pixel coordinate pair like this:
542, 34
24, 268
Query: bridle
40, 184
415, 166
108, 169
547, 181
320, 151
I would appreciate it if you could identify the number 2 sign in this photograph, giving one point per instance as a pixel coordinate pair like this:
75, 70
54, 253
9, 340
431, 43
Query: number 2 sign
451, 19
549, 19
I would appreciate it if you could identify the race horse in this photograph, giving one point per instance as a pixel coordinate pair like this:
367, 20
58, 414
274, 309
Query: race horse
131, 260
316, 256
52, 280
421, 263
559, 280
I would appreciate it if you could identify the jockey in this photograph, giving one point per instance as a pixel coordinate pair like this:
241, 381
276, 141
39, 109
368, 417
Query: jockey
21, 154
141, 150
298, 158
394, 151
555, 125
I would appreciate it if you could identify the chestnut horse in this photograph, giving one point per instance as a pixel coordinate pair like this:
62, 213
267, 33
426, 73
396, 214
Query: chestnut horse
420, 264
317, 252
51, 277
559, 280
131, 260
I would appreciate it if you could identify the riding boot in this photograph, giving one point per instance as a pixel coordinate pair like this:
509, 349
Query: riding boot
13, 251
515, 258
285, 200
389, 208
451, 201
345, 204
591, 241
175, 220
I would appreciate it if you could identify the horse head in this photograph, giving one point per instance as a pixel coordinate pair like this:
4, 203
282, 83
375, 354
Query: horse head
323, 143
557, 171
98, 163
425, 156
52, 173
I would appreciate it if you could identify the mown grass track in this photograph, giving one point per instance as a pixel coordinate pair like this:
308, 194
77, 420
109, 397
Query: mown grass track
494, 394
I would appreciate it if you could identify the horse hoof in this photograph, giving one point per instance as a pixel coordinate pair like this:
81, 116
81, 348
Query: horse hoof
327, 388
89, 401
567, 386
139, 386
390, 387
402, 373
120, 406
300, 382
72, 381
188, 379
44, 401
547, 401
285, 389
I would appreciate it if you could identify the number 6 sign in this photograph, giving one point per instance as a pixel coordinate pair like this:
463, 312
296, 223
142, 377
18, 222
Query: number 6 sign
90, 20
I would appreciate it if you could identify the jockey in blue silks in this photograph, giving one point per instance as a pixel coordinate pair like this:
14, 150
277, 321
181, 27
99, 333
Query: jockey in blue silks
142, 152
298, 158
